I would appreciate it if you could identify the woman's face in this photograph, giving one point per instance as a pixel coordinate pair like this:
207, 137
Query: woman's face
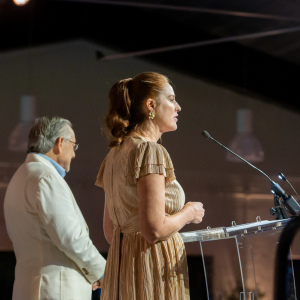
167, 110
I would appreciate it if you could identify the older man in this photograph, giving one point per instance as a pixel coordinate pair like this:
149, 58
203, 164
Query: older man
56, 258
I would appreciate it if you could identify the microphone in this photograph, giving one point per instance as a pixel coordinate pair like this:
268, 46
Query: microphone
207, 135
290, 203
281, 176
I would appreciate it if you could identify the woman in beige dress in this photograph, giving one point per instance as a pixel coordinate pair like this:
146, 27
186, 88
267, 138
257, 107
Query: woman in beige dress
144, 204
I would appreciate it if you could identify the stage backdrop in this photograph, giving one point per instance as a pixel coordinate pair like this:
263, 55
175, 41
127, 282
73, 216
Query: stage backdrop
68, 80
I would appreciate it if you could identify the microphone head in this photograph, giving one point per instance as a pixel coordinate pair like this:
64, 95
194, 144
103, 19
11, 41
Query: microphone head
281, 176
206, 134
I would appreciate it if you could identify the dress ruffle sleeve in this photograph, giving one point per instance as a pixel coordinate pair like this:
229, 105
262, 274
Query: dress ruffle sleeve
149, 158
99, 180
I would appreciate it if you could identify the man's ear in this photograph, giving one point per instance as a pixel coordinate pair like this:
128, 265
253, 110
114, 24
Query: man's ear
58, 145
150, 104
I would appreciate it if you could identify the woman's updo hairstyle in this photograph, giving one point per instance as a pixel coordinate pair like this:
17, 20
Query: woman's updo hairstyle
126, 99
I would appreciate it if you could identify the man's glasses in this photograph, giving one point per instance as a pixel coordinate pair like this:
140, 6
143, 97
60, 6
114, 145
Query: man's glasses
75, 146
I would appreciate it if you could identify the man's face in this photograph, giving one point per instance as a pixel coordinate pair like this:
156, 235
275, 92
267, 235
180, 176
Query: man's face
67, 153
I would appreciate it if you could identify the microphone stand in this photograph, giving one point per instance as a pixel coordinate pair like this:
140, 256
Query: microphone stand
290, 204
279, 211
279, 193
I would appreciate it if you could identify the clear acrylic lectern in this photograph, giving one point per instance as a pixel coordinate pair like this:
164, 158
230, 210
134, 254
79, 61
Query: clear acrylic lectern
243, 259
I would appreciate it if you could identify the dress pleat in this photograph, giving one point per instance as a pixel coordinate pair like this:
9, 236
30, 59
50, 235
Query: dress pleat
137, 269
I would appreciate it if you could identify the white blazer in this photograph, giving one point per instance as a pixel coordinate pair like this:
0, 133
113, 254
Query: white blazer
56, 258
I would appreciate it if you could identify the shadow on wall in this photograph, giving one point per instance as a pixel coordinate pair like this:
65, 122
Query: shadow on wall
7, 274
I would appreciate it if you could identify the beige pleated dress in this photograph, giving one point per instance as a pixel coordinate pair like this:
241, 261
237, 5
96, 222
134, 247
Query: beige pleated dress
136, 269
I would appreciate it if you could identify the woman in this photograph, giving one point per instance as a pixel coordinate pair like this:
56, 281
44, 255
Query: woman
144, 203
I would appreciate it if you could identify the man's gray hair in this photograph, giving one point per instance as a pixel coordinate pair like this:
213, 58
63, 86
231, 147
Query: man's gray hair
45, 131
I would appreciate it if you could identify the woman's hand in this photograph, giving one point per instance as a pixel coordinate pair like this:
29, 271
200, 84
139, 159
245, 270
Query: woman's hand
154, 223
196, 210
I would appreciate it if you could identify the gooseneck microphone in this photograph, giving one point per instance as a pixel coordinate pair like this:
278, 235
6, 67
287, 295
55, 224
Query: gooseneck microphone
207, 135
281, 176
290, 203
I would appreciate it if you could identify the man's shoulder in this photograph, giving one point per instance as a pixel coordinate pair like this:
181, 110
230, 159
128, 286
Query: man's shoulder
37, 168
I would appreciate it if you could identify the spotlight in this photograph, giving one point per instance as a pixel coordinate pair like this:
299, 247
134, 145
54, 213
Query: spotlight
21, 2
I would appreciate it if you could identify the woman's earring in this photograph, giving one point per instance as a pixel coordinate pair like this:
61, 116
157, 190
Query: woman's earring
152, 114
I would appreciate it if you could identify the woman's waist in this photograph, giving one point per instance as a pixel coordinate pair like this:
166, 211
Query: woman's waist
137, 237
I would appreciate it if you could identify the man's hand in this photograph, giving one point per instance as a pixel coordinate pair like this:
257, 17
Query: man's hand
98, 284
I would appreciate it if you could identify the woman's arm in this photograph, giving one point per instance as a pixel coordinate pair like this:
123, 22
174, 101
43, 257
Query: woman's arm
108, 225
155, 225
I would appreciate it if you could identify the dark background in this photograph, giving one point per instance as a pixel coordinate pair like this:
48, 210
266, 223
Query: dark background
250, 48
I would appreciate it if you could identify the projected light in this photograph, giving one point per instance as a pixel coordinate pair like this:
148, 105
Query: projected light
20, 2
244, 143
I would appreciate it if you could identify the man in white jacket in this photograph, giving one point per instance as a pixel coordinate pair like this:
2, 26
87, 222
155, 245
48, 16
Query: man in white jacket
55, 256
